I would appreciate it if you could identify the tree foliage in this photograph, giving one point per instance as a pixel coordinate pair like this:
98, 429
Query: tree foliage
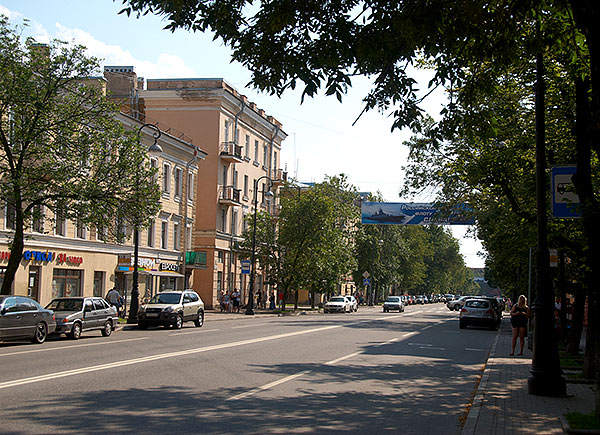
62, 146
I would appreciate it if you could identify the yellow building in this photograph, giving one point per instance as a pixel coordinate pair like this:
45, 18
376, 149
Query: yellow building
62, 258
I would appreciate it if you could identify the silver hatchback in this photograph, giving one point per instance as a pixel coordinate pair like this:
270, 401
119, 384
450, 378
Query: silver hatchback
478, 312
79, 314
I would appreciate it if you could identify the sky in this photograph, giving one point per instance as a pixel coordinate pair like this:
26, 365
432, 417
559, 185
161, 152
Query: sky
321, 138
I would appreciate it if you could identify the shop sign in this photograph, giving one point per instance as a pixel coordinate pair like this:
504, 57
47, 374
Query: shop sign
4, 255
171, 267
46, 257
64, 258
144, 263
38, 256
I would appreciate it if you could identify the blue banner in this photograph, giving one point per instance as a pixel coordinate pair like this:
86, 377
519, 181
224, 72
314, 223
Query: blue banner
408, 213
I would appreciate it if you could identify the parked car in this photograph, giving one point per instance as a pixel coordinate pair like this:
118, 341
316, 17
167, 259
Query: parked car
353, 303
479, 312
420, 299
337, 304
22, 318
456, 304
393, 303
172, 308
75, 315
448, 297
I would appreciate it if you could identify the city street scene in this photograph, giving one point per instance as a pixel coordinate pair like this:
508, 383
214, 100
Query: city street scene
299, 217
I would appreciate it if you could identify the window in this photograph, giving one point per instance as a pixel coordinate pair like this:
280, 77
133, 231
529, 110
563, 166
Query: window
164, 235
237, 135
220, 257
101, 233
166, 188
224, 176
235, 179
38, 219
265, 156
11, 217
247, 147
81, 230
190, 187
121, 230
176, 236
246, 186
226, 132
234, 216
178, 183
154, 166
66, 283
98, 283
275, 160
219, 281
60, 225
188, 236
223, 220
256, 151
151, 229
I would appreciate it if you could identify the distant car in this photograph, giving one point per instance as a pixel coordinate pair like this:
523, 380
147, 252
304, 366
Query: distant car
353, 303
479, 312
456, 304
172, 308
393, 303
337, 304
447, 298
80, 314
420, 299
22, 318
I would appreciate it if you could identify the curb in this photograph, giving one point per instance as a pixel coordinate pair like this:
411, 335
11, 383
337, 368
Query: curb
477, 404
567, 428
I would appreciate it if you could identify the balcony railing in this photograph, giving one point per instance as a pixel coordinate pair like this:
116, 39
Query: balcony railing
279, 176
229, 196
231, 152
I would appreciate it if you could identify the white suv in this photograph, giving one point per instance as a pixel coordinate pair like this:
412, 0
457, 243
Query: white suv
172, 308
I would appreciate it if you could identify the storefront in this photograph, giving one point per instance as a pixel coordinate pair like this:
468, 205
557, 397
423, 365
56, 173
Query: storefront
154, 275
49, 272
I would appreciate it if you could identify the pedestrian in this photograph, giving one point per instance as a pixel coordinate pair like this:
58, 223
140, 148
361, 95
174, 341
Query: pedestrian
235, 299
226, 302
272, 302
113, 297
258, 299
519, 314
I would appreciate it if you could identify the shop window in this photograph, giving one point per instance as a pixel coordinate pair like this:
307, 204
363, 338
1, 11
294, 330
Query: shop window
98, 283
2, 272
66, 283
219, 281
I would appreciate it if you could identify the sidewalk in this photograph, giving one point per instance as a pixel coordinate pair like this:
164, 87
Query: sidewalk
502, 404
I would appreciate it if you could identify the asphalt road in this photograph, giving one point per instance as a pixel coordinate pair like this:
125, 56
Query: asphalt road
364, 372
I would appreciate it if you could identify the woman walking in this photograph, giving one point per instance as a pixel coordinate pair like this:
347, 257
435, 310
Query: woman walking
519, 314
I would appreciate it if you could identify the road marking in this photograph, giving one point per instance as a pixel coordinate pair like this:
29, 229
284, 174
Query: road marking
419, 344
432, 347
193, 332
342, 358
83, 370
267, 386
247, 326
48, 349
476, 350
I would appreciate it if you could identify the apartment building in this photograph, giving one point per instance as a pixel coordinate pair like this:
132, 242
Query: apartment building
243, 146
64, 258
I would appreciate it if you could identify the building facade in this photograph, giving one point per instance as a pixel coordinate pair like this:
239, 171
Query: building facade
62, 258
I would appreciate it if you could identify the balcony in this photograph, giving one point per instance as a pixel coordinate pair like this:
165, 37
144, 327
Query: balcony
230, 152
229, 196
279, 176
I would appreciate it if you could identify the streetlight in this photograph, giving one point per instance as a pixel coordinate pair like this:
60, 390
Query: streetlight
269, 194
154, 150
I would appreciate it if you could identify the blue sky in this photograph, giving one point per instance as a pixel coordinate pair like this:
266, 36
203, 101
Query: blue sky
321, 141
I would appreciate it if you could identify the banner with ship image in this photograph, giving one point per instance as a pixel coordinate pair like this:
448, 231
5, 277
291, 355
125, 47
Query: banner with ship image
408, 213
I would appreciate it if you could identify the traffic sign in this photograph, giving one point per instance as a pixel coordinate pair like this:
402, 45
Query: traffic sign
367, 281
565, 201
245, 267
366, 274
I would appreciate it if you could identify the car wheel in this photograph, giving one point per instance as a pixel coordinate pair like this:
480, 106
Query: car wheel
108, 329
41, 332
142, 325
199, 322
178, 322
456, 308
75, 331
462, 325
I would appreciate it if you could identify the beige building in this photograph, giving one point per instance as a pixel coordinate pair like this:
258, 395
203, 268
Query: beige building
243, 146
62, 258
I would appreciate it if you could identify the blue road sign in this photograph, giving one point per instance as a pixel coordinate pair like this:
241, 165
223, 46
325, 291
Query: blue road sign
565, 201
367, 281
245, 266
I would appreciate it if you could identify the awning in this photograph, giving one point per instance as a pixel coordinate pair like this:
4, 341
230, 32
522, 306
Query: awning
157, 273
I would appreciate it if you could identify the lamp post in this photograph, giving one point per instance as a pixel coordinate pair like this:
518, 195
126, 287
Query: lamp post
186, 198
250, 305
153, 150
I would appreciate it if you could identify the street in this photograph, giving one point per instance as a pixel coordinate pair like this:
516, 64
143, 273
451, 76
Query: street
364, 372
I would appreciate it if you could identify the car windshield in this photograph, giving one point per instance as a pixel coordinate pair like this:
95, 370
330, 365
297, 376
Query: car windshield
165, 298
393, 299
66, 305
338, 299
477, 304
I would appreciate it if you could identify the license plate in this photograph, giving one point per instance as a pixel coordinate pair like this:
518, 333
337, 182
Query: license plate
151, 314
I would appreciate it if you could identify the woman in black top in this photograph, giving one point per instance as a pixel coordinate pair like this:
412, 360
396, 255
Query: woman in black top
518, 319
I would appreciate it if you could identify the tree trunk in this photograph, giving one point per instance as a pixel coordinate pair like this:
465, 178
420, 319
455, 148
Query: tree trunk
16, 252
296, 299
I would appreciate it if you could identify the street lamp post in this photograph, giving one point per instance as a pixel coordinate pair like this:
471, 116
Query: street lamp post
186, 198
250, 305
153, 150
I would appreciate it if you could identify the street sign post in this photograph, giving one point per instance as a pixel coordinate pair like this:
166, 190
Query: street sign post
367, 281
245, 267
565, 202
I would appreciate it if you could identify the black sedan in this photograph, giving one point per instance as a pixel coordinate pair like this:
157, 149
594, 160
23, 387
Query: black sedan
22, 318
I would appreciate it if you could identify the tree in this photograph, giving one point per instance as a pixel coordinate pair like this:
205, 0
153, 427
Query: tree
63, 148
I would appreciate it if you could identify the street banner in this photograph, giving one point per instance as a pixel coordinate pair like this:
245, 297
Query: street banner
408, 213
